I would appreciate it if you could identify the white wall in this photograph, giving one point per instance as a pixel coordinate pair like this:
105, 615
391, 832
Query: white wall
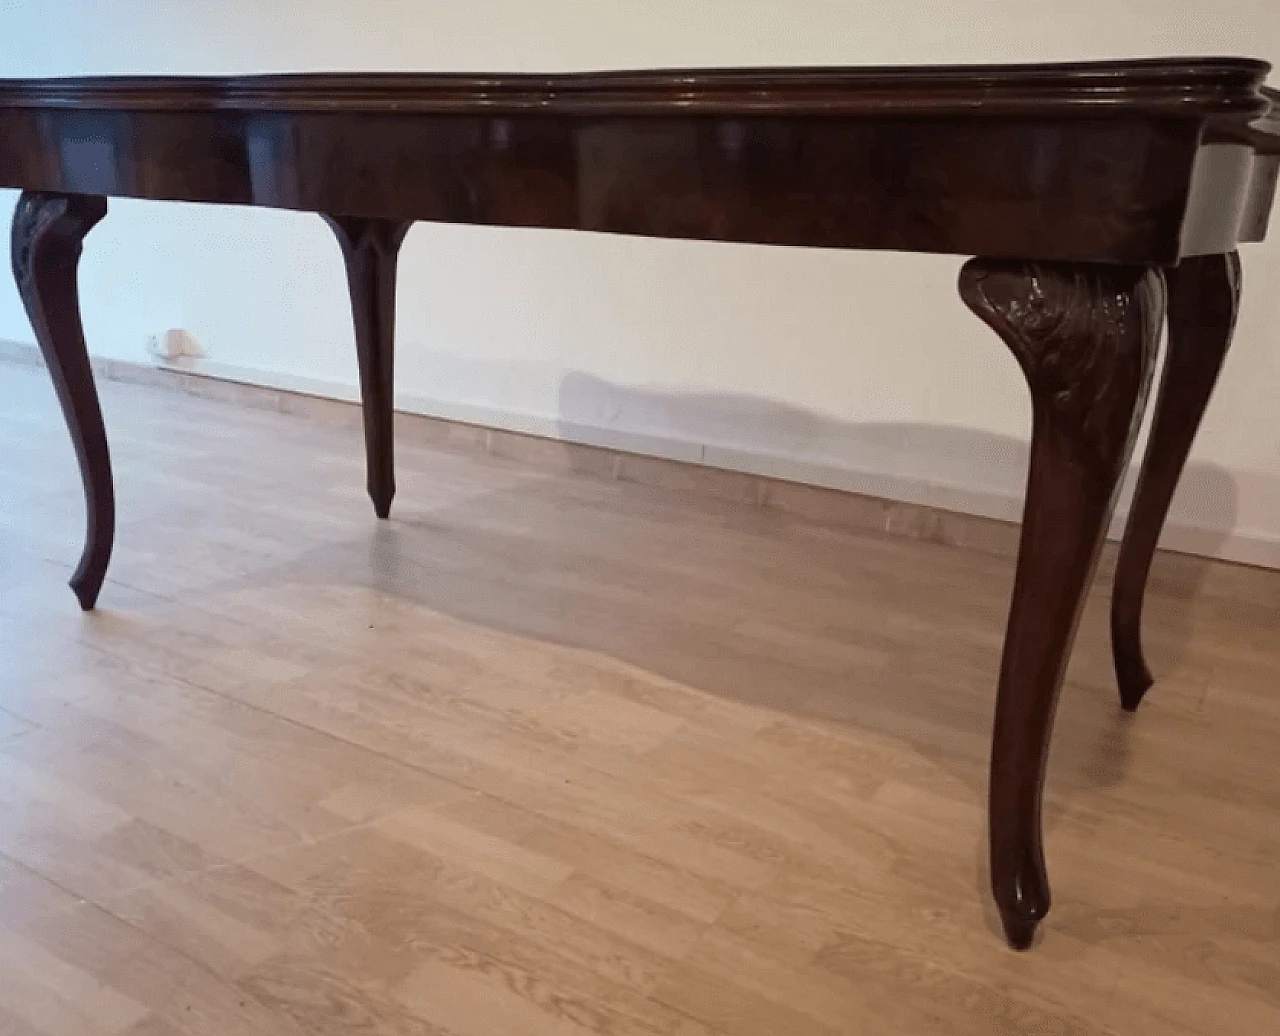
859, 370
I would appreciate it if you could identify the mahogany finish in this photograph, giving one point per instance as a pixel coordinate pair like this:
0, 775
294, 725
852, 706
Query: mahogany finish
1086, 338
370, 248
1204, 298
957, 160
1075, 184
48, 230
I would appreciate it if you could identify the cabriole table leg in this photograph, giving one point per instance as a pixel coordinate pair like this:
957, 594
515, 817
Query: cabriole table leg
1085, 337
48, 231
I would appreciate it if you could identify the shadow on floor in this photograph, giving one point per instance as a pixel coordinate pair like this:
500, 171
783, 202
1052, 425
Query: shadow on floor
836, 627
716, 597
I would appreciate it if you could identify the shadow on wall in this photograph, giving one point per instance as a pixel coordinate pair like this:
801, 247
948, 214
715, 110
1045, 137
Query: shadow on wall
984, 471
875, 458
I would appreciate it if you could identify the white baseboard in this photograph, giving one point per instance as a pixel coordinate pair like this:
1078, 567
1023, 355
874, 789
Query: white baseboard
1228, 545
1186, 539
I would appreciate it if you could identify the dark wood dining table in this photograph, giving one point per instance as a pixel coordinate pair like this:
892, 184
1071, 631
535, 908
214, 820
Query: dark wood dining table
1085, 194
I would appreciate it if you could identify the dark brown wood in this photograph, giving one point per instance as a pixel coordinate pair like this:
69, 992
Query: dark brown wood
1073, 181
1204, 298
1150, 87
370, 248
1090, 162
46, 240
1086, 339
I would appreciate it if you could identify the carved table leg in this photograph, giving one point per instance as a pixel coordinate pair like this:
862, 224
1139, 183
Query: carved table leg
370, 247
1086, 339
46, 240
1204, 297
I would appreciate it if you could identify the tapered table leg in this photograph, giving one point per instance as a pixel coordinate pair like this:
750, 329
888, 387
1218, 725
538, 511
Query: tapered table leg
1085, 337
1204, 298
370, 248
48, 230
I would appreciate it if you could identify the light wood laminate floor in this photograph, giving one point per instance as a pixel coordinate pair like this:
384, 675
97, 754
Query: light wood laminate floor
552, 754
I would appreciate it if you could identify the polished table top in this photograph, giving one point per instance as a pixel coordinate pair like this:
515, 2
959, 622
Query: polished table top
937, 159
1149, 86
1087, 193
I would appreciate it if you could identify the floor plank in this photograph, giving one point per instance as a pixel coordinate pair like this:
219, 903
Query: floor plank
550, 753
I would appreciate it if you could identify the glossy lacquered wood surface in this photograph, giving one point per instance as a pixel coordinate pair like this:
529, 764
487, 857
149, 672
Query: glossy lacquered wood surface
48, 235
1074, 184
1087, 161
1086, 340
1154, 86
370, 248
1204, 300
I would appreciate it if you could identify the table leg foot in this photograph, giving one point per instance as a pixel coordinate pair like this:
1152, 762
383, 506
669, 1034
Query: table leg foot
1085, 337
1019, 931
1204, 298
1132, 674
47, 235
370, 248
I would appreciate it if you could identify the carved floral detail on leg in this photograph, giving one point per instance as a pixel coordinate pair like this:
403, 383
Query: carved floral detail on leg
1071, 328
1085, 337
